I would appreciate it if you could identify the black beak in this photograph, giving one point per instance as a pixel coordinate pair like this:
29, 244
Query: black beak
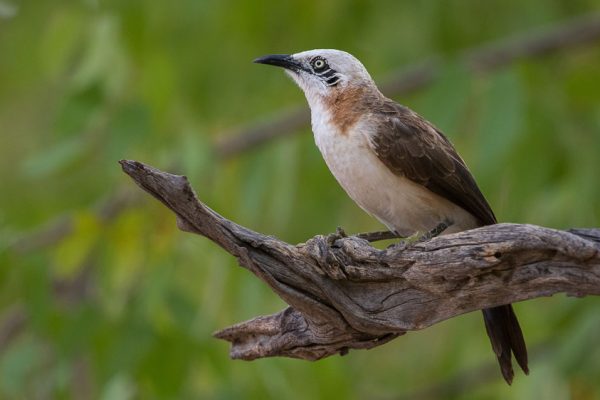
280, 60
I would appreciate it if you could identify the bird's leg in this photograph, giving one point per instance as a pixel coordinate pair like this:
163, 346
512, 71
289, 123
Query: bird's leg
379, 235
419, 237
438, 230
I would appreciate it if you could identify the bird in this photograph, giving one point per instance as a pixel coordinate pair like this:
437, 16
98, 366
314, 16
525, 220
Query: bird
396, 166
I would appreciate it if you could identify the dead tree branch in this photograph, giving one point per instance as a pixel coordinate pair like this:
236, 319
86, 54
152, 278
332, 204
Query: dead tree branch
344, 294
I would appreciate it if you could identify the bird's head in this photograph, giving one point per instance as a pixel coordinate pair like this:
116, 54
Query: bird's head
322, 73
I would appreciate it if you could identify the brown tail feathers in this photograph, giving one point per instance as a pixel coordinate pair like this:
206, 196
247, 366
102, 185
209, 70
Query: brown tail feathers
505, 334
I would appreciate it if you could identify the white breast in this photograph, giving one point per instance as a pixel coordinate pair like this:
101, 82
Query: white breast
397, 202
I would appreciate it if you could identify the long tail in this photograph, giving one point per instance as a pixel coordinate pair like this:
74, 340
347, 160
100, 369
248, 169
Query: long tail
505, 334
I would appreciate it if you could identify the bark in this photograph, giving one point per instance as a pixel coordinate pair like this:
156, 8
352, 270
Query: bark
345, 294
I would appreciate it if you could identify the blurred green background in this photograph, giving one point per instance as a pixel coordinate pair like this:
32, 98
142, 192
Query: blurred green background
102, 297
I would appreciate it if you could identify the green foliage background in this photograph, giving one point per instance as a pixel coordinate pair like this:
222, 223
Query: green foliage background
86, 83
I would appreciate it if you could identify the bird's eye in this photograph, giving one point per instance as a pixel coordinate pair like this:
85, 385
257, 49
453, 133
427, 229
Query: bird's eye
319, 64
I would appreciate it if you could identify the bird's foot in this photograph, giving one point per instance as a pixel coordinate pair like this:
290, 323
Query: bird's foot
333, 237
323, 249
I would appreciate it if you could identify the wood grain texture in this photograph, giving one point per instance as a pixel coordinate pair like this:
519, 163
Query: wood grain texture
345, 294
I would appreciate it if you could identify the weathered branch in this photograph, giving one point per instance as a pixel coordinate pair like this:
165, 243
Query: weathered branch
344, 294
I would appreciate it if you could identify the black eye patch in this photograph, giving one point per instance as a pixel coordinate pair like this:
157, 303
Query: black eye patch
322, 69
327, 74
334, 80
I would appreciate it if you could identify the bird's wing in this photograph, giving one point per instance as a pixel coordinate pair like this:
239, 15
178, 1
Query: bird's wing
412, 147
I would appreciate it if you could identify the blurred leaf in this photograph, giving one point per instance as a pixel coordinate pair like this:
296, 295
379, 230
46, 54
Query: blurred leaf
16, 366
8, 10
123, 265
120, 387
71, 253
104, 60
79, 112
54, 158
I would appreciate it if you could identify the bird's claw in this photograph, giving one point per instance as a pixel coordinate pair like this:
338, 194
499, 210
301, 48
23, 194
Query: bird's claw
333, 237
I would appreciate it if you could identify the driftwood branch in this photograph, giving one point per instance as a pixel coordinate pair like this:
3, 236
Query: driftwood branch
344, 294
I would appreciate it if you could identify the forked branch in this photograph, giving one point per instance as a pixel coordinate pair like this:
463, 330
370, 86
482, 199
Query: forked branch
345, 294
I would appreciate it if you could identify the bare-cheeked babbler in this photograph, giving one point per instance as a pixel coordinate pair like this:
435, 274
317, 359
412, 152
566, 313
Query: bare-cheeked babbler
395, 165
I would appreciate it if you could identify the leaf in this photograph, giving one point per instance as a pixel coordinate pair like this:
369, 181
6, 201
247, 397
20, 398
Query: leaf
104, 59
79, 111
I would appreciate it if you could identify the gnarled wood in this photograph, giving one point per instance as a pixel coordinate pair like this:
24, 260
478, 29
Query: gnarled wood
345, 294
